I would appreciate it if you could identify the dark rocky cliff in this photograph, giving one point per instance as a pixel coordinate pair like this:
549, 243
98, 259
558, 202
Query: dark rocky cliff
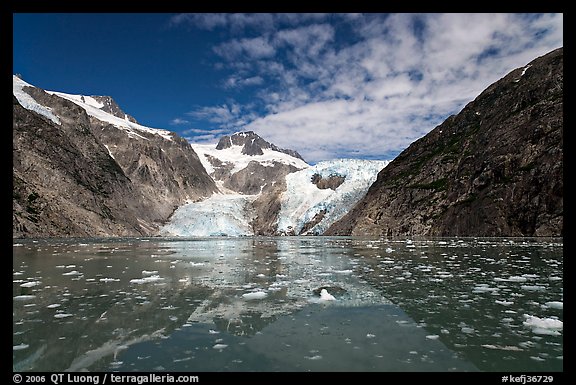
495, 169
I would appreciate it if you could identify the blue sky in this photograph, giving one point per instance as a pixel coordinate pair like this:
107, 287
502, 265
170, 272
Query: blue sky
327, 85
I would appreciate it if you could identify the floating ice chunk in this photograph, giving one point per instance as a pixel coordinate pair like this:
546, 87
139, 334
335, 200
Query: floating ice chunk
220, 346
30, 284
348, 271
325, 296
212, 331
369, 335
484, 288
109, 280
515, 278
545, 326
22, 346
389, 250
504, 303
507, 348
313, 358
148, 273
533, 287
196, 263
530, 276
432, 337
62, 315
53, 306
152, 278
255, 295
73, 272
555, 305
24, 297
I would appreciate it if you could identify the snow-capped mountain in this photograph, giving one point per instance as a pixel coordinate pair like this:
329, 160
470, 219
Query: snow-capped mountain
246, 163
82, 167
97, 171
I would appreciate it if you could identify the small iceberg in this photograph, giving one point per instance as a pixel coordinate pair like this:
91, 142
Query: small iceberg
255, 295
325, 296
544, 326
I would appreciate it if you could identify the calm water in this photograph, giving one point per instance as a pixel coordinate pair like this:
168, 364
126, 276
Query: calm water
253, 304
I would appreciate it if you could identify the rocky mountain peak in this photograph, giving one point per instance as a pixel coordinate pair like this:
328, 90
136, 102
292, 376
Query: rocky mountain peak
110, 106
252, 144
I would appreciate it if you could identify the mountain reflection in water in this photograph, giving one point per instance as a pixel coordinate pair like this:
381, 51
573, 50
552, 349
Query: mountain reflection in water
253, 304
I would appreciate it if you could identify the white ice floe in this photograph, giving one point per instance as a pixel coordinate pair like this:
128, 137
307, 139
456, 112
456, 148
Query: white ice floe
21, 346
73, 272
500, 347
23, 297
152, 278
533, 287
484, 288
219, 346
30, 284
555, 305
255, 295
109, 280
62, 315
545, 326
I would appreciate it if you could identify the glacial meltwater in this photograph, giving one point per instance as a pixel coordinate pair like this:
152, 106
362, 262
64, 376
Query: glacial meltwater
288, 304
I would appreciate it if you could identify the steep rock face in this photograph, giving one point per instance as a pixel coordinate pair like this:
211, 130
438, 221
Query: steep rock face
64, 181
495, 169
256, 178
76, 175
167, 172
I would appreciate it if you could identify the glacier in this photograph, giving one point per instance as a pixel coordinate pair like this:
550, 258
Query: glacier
303, 201
231, 214
220, 215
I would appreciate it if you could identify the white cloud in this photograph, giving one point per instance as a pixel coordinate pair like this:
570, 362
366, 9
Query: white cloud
253, 48
236, 81
178, 121
238, 22
374, 87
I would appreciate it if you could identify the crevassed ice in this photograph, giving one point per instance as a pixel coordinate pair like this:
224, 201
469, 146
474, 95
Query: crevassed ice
221, 214
302, 200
